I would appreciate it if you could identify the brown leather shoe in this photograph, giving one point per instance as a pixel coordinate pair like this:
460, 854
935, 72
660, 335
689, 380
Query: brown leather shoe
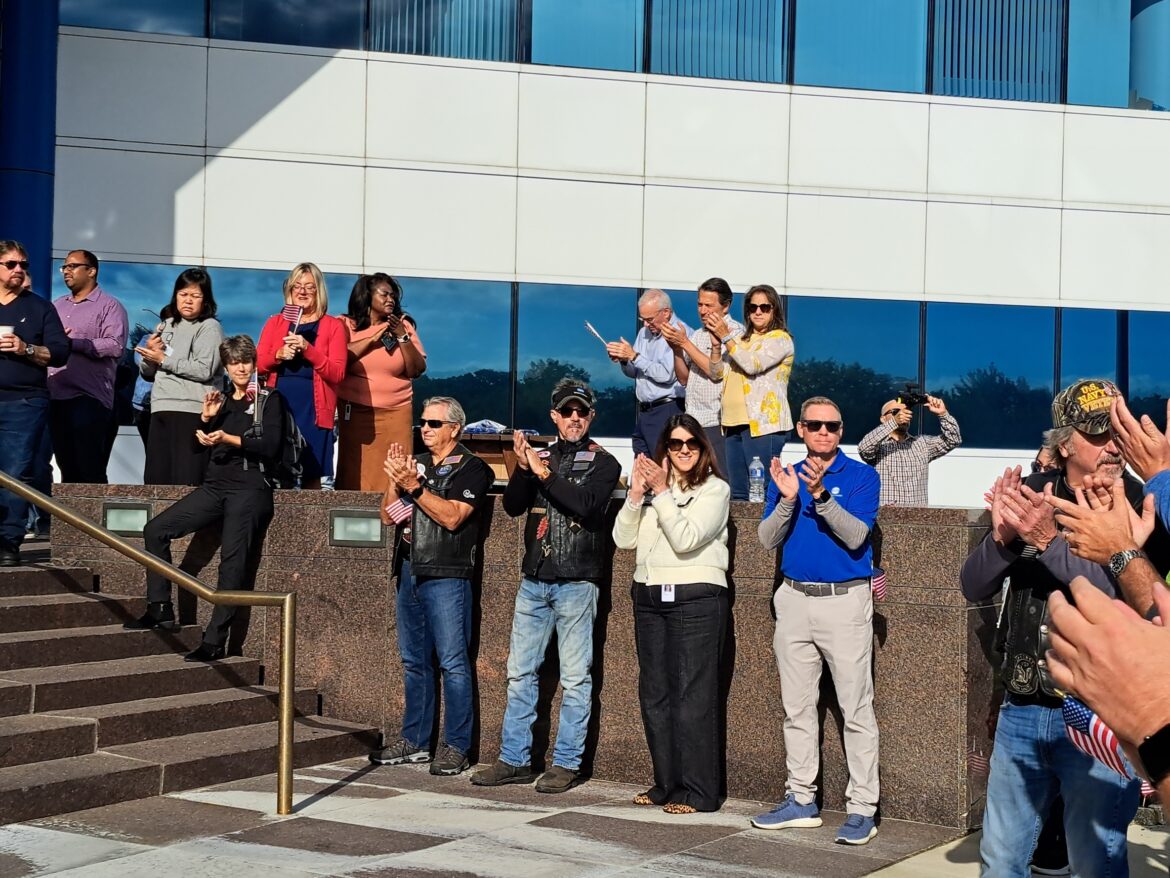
557, 779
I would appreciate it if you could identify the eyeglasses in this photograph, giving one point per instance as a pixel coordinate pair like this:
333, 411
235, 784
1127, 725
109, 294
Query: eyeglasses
1038, 467
763, 307
68, 266
433, 423
304, 288
10, 264
815, 426
649, 320
677, 445
567, 411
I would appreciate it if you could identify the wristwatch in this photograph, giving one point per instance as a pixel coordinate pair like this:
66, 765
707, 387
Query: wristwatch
416, 493
1120, 560
823, 497
1154, 752
30, 350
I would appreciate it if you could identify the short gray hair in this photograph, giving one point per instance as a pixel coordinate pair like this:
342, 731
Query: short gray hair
1054, 439
657, 297
818, 400
455, 412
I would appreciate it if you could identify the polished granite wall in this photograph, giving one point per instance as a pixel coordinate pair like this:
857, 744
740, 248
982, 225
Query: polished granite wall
933, 675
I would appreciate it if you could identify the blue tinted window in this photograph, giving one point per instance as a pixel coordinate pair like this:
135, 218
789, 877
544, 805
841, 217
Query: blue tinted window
1149, 379
337, 24
465, 327
1098, 53
1149, 72
1088, 345
879, 44
184, 17
992, 365
553, 342
481, 29
604, 34
999, 49
720, 39
857, 352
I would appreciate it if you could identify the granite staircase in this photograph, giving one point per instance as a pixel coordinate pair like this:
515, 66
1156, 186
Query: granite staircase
91, 714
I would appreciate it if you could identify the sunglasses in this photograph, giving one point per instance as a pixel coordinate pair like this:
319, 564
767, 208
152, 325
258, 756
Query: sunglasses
567, 411
677, 445
763, 307
815, 426
433, 423
890, 412
73, 266
12, 263
1038, 467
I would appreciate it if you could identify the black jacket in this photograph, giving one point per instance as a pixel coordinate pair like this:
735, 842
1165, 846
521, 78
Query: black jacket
436, 552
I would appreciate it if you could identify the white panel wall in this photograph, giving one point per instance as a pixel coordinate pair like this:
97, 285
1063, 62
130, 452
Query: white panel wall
1115, 259
1118, 160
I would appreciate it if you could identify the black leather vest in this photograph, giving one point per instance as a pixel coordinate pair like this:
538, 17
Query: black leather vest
567, 548
436, 552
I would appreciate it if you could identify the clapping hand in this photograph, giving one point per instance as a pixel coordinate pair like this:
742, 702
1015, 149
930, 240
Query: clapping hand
212, 403
673, 334
1030, 516
813, 474
637, 490
620, 351
1141, 444
653, 475
1101, 522
215, 437
716, 325
1002, 531
785, 479
520, 448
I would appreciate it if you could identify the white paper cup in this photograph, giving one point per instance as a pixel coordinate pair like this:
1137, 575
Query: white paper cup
7, 330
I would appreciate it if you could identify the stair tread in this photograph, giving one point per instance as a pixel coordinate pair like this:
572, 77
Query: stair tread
30, 723
64, 598
36, 774
112, 667
261, 736
66, 633
163, 702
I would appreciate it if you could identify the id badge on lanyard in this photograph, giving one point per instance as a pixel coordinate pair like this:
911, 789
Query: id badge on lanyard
668, 594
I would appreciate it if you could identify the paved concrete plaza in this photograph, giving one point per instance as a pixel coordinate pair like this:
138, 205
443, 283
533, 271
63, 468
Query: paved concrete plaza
357, 820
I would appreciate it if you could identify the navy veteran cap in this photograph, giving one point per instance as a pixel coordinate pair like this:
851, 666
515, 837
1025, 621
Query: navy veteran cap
1085, 405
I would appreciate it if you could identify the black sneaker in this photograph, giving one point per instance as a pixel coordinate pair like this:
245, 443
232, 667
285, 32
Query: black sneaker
501, 772
206, 652
160, 615
400, 753
449, 761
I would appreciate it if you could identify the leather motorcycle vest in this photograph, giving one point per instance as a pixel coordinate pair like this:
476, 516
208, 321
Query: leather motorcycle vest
435, 551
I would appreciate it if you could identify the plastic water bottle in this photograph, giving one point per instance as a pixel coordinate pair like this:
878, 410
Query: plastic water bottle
756, 480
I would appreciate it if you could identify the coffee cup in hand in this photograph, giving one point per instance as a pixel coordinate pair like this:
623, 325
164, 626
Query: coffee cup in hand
7, 330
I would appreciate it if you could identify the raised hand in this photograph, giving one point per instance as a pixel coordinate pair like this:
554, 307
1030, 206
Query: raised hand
1101, 522
716, 324
519, 448
673, 334
1002, 531
212, 403
936, 406
620, 351
785, 479
813, 474
1031, 517
1142, 445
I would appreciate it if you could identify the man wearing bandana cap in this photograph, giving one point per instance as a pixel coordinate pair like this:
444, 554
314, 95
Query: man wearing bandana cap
1033, 759
565, 491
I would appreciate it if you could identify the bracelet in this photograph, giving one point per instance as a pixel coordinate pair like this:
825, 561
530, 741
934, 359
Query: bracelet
727, 339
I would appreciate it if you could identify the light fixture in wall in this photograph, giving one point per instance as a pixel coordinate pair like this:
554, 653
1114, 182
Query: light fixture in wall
124, 518
356, 527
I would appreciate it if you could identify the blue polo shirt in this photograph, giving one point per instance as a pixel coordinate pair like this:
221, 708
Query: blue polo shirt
812, 553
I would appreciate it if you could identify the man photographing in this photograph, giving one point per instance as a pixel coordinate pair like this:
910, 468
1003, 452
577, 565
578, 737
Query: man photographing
903, 459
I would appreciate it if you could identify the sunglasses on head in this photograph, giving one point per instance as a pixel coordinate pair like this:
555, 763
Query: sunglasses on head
677, 445
567, 411
10, 264
433, 423
763, 307
815, 426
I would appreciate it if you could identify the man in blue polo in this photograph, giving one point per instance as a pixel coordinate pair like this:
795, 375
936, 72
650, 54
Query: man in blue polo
822, 511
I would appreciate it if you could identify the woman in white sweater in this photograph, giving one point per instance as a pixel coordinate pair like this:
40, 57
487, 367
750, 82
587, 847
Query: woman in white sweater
680, 611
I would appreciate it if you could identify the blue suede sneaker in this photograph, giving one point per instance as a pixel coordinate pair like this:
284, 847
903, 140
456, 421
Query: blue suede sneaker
857, 829
789, 814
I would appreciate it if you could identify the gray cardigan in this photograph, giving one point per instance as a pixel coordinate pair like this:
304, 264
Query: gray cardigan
189, 370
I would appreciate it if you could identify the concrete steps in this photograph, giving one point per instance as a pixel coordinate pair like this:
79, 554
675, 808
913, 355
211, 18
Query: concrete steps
92, 714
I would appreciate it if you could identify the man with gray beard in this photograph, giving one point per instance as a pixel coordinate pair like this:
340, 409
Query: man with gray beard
1033, 759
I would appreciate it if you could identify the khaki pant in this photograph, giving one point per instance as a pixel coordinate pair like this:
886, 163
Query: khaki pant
839, 629
364, 435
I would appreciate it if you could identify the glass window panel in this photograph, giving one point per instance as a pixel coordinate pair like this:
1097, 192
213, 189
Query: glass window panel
686, 306
720, 39
1098, 53
552, 342
337, 24
856, 351
878, 44
999, 49
1088, 345
602, 34
992, 365
183, 17
1149, 379
465, 327
481, 29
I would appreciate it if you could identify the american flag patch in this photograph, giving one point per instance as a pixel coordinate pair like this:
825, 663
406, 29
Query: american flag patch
400, 510
293, 314
1091, 736
878, 583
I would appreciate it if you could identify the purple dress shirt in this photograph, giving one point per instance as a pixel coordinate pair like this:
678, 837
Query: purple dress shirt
97, 327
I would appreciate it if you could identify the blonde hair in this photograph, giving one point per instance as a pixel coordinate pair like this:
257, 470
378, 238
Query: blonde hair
321, 306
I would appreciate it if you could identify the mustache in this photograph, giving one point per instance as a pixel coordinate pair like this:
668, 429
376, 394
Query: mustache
1112, 460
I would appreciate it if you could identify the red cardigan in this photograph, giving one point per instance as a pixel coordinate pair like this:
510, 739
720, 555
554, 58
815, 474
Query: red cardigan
328, 357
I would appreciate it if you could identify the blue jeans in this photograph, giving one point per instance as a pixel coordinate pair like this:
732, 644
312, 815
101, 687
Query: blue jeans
434, 618
21, 423
742, 446
571, 608
1031, 761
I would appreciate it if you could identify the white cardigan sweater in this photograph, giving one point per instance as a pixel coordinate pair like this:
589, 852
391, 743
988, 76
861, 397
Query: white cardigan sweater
681, 537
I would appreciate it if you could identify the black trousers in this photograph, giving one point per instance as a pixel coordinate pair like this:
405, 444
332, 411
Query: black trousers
245, 513
650, 424
173, 454
80, 429
679, 643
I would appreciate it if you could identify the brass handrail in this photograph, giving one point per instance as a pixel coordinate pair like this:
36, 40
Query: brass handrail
286, 601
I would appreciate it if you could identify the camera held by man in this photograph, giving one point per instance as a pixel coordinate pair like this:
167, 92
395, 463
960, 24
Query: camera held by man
901, 458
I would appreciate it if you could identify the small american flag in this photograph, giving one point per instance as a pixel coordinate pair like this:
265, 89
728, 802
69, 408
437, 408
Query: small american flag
253, 388
293, 314
977, 763
879, 583
1090, 735
400, 510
